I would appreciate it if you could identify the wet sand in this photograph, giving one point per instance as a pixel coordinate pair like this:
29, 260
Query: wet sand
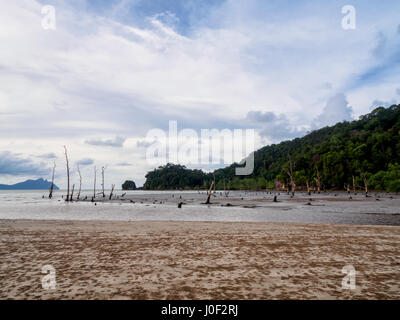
197, 260
245, 199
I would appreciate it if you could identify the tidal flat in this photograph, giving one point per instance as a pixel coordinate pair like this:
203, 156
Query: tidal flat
141, 245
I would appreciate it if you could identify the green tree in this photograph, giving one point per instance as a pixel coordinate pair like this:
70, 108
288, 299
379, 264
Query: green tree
129, 185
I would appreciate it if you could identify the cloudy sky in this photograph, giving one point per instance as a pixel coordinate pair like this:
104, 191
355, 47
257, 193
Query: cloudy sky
113, 70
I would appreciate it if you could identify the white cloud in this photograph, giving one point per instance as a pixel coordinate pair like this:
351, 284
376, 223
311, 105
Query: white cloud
275, 127
98, 77
337, 109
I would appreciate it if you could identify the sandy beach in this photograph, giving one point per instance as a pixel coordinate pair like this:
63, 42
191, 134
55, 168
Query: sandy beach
197, 260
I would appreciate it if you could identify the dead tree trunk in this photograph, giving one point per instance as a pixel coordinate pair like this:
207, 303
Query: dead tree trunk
112, 190
80, 183
308, 188
365, 185
214, 184
318, 180
102, 181
52, 182
209, 193
290, 174
66, 158
226, 192
94, 186
72, 193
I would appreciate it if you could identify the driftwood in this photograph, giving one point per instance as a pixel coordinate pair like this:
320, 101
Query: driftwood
66, 158
52, 182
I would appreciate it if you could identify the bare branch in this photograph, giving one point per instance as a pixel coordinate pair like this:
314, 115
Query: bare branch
80, 183
112, 190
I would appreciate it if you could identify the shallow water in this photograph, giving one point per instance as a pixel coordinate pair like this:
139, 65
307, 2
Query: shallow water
31, 205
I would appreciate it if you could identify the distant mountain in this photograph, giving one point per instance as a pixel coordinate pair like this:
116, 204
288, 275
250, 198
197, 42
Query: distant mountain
38, 184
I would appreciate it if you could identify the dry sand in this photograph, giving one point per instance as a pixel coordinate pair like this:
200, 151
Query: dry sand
182, 260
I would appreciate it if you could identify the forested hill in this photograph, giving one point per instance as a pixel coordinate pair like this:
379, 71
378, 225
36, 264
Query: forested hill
368, 147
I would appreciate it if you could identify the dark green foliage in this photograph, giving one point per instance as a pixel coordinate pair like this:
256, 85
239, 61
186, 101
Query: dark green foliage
173, 176
367, 147
386, 180
129, 185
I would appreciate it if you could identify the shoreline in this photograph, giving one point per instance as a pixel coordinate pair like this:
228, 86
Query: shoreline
322, 224
197, 260
189, 206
